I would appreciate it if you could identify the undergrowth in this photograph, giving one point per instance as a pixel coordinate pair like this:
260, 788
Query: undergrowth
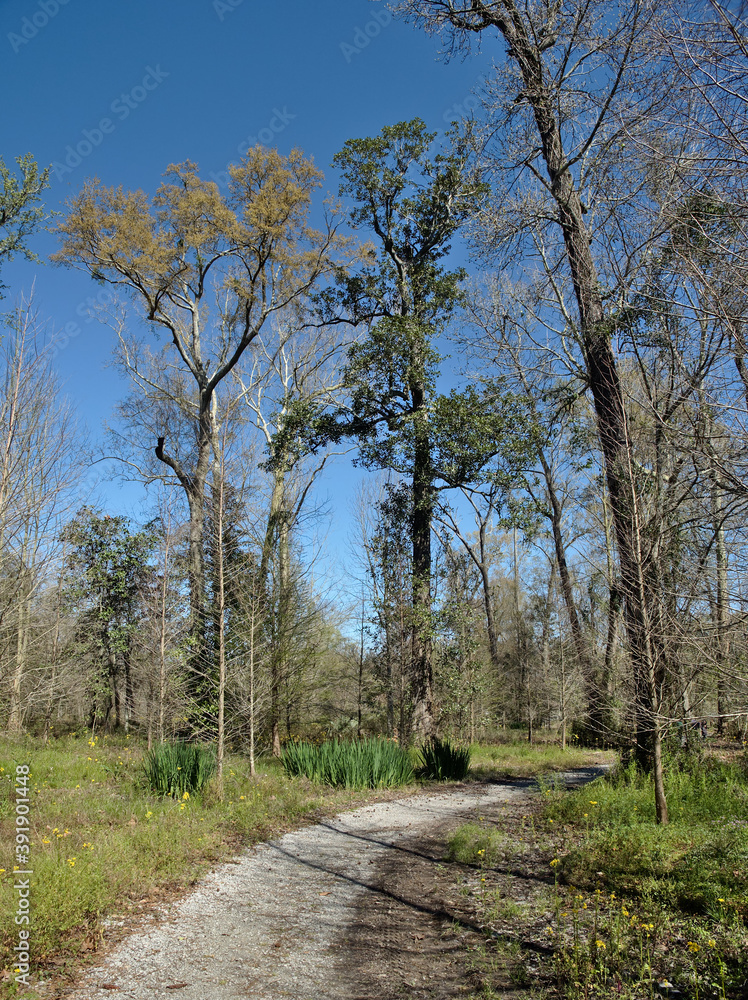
101, 844
372, 763
634, 910
439, 760
517, 758
176, 768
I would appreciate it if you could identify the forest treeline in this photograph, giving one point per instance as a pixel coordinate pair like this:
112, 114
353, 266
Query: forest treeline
553, 531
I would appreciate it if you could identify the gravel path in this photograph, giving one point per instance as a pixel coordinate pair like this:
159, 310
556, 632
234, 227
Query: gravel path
274, 923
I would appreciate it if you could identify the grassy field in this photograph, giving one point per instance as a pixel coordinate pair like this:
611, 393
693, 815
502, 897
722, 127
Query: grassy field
635, 910
102, 846
516, 758
631, 904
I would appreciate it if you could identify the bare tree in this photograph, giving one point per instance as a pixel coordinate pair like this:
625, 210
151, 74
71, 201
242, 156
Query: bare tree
295, 374
558, 135
39, 471
208, 271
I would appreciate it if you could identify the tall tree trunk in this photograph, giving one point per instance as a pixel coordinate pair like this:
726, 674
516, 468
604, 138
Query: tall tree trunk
360, 690
721, 605
221, 620
55, 656
194, 485
162, 631
493, 641
423, 503
23, 590
275, 549
129, 689
598, 715
596, 330
252, 613
112, 659
279, 656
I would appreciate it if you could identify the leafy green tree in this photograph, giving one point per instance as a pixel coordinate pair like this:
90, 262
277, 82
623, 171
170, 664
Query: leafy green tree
20, 211
107, 575
413, 204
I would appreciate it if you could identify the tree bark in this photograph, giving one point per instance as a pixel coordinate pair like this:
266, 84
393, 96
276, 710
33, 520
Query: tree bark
194, 486
423, 507
595, 329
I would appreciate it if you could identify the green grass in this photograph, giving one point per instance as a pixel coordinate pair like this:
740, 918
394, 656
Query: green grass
520, 759
176, 768
698, 863
439, 760
632, 903
372, 763
101, 843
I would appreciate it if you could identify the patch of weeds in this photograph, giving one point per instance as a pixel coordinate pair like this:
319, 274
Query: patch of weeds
178, 768
476, 844
439, 760
500, 907
670, 902
636, 910
372, 763
520, 759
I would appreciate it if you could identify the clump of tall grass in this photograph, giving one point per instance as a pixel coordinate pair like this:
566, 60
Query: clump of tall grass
176, 768
372, 763
441, 761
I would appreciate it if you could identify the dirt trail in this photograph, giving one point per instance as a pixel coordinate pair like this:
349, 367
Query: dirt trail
354, 908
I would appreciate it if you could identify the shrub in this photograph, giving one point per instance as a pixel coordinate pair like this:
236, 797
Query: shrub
372, 763
441, 761
176, 768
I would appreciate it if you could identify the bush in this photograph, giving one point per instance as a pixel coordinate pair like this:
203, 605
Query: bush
441, 761
373, 763
176, 768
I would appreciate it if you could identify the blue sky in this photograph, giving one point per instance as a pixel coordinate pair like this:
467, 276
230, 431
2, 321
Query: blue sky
120, 90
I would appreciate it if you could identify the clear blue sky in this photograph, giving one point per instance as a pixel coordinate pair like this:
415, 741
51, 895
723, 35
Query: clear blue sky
120, 90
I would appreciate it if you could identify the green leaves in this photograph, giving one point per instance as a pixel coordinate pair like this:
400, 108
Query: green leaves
414, 204
373, 763
178, 769
20, 213
472, 427
441, 761
108, 566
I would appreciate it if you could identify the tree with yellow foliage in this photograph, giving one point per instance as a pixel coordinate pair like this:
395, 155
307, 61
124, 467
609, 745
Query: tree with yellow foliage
207, 270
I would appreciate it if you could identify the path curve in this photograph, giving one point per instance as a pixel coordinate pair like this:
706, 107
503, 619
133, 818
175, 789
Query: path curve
274, 923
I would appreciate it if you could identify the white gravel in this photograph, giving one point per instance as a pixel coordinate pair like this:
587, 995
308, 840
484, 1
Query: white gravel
268, 925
